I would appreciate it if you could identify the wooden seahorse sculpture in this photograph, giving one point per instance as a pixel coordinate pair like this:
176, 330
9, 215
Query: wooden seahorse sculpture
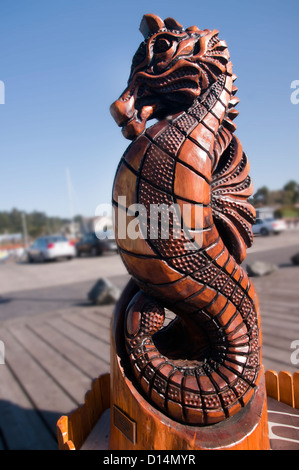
204, 366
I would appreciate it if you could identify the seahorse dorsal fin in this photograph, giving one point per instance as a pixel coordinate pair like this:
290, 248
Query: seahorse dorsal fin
231, 186
151, 24
170, 23
234, 101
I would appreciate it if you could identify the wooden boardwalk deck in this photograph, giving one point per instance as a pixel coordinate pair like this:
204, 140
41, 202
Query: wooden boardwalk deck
50, 359
279, 303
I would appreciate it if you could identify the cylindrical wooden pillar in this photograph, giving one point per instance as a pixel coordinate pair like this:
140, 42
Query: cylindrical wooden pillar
137, 425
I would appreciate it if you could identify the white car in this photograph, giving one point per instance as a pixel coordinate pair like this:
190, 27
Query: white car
268, 226
50, 248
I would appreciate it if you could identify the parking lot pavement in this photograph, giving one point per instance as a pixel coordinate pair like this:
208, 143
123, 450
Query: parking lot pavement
26, 276
22, 275
288, 238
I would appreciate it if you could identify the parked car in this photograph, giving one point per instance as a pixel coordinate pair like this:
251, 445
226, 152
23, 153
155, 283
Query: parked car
95, 245
50, 248
268, 226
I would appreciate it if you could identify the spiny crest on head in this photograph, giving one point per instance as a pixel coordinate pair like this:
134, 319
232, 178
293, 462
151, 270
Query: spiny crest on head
152, 24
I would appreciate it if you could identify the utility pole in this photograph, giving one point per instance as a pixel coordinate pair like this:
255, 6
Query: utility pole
25, 233
69, 184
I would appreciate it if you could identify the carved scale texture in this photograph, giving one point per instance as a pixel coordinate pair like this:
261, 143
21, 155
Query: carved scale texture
193, 157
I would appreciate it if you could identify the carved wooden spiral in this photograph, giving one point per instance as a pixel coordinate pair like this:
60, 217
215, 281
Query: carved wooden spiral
205, 365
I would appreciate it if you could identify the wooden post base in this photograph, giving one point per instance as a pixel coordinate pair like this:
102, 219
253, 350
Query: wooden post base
137, 425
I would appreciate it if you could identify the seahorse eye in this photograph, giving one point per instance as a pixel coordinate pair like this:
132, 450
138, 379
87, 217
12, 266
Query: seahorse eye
162, 45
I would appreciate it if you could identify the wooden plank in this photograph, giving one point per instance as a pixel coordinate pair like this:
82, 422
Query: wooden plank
283, 423
279, 314
286, 391
271, 338
275, 364
78, 423
92, 344
97, 399
280, 292
73, 430
99, 331
62, 431
105, 390
296, 389
272, 387
21, 425
284, 289
63, 434
279, 310
98, 439
98, 318
276, 359
278, 317
84, 360
279, 323
282, 333
44, 394
100, 310
68, 377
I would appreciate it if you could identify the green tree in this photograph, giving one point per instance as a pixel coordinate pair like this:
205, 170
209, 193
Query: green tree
38, 223
291, 186
291, 193
261, 196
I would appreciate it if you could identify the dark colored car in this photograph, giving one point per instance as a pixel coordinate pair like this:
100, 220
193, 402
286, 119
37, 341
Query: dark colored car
93, 245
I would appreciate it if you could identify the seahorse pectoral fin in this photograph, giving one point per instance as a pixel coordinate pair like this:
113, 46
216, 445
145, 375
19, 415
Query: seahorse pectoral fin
231, 237
231, 186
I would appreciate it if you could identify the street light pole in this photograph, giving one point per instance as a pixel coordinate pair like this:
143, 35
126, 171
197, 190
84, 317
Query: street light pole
69, 184
25, 233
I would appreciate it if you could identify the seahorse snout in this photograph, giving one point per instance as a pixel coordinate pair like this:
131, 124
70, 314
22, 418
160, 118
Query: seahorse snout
126, 115
123, 110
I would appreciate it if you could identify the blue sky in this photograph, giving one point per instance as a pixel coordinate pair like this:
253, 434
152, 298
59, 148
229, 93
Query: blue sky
63, 62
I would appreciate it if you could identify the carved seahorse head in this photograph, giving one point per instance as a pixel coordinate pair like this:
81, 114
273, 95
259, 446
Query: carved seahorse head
172, 67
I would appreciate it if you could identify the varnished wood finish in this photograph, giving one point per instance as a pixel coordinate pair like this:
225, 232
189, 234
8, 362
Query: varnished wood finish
154, 431
205, 367
74, 428
283, 387
283, 421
